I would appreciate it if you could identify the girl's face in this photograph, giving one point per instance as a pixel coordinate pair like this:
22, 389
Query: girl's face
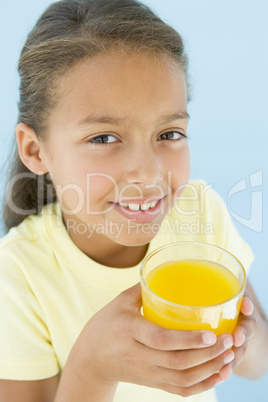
117, 149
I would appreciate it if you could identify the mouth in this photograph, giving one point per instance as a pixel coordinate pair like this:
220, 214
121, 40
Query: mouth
141, 211
138, 207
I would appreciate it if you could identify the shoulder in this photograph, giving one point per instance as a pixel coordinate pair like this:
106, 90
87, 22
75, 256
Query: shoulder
24, 238
25, 231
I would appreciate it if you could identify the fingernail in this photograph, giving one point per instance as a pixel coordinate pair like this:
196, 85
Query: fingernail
252, 306
228, 357
243, 338
209, 338
228, 342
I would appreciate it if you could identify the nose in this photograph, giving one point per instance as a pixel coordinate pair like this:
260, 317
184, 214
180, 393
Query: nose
143, 166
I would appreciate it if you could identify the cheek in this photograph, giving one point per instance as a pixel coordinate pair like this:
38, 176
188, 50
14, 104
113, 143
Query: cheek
178, 170
101, 179
93, 193
101, 188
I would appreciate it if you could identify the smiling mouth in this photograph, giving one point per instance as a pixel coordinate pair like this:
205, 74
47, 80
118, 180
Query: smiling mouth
141, 211
138, 207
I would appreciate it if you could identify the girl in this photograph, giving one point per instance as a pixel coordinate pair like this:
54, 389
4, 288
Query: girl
100, 179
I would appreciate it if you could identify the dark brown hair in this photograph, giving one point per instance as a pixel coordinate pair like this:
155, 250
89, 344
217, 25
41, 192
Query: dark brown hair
66, 33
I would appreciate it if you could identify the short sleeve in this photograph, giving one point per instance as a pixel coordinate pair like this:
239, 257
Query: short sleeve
224, 232
26, 352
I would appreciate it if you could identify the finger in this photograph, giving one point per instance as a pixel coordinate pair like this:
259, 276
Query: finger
196, 389
239, 355
133, 295
201, 386
245, 330
247, 307
185, 359
194, 375
157, 337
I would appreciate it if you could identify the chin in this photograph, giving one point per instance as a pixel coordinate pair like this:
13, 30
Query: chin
135, 239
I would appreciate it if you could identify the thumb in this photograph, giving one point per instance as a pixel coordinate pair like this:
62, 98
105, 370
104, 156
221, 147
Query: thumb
134, 294
135, 291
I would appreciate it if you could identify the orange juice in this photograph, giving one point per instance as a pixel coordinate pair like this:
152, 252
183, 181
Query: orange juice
204, 285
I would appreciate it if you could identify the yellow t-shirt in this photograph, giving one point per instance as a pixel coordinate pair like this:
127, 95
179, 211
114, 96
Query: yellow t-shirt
49, 289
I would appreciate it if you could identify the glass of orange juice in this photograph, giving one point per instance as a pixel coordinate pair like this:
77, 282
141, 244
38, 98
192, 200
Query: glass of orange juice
191, 285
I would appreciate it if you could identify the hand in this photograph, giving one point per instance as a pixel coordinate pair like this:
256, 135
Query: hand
245, 329
119, 344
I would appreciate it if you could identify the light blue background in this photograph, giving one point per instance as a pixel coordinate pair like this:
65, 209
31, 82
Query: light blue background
227, 42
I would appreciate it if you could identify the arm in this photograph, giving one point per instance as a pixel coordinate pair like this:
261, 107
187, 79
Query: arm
251, 339
119, 344
30, 391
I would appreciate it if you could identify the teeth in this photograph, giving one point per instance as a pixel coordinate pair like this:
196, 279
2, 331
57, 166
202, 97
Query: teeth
138, 207
144, 207
153, 204
134, 207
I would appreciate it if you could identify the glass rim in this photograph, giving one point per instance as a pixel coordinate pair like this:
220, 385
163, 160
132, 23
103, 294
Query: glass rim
210, 306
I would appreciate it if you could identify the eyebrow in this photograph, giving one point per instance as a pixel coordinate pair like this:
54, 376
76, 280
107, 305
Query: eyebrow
176, 116
106, 119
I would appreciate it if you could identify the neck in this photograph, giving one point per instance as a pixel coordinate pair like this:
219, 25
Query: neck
106, 252
118, 256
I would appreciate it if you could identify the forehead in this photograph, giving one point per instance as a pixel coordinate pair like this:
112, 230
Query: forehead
119, 83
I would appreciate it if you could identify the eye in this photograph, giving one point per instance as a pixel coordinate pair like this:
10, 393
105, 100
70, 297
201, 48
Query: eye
103, 139
171, 136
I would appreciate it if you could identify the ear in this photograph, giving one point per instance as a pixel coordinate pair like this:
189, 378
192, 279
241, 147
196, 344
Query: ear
30, 149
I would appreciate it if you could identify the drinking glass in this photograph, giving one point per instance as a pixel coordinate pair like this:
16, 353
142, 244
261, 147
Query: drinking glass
206, 262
